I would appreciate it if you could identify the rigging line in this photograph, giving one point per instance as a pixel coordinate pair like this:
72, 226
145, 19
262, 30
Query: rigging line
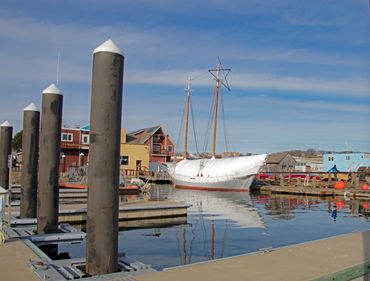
194, 128
198, 76
209, 125
224, 123
58, 64
181, 125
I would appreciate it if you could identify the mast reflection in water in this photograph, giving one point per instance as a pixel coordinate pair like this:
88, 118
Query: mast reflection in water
224, 224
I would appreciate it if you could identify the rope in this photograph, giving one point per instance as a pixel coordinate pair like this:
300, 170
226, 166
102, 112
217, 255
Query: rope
209, 125
194, 129
3, 235
181, 125
199, 75
224, 123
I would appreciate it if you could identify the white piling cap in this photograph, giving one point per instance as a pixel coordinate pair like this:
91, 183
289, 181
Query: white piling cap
52, 89
3, 191
31, 107
108, 46
6, 124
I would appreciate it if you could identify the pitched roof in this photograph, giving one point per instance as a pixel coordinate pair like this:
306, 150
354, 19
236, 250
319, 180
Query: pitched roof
142, 135
275, 158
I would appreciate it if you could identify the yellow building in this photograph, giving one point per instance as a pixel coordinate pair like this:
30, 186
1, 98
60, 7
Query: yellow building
133, 157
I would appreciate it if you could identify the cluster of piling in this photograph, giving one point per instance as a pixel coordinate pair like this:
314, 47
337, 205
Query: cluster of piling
41, 155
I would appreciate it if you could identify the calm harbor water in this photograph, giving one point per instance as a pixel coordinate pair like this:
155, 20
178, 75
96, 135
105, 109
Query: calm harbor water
224, 224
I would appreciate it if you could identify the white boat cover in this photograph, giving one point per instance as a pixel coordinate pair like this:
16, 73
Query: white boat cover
219, 168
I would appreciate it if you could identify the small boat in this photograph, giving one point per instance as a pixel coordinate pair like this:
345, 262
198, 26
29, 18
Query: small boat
72, 185
135, 186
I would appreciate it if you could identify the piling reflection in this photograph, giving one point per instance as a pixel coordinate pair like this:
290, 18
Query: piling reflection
224, 224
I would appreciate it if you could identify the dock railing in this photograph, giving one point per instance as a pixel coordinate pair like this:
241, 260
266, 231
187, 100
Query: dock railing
148, 175
317, 179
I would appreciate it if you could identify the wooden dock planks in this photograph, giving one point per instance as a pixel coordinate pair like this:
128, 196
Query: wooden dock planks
309, 261
14, 256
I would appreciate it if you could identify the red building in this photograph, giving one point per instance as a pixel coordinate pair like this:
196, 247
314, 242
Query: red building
74, 148
161, 147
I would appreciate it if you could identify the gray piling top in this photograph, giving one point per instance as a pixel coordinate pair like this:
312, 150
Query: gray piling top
52, 89
108, 46
6, 124
31, 107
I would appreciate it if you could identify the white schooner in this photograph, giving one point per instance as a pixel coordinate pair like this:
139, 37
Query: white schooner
218, 174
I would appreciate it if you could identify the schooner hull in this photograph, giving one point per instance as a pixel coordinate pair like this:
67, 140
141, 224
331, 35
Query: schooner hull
239, 184
227, 174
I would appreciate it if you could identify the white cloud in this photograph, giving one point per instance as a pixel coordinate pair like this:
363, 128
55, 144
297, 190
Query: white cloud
316, 86
166, 56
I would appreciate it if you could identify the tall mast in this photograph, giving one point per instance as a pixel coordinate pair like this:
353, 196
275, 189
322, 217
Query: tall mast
215, 114
220, 74
187, 119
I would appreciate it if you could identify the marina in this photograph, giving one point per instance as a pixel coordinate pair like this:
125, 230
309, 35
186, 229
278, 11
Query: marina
108, 172
231, 228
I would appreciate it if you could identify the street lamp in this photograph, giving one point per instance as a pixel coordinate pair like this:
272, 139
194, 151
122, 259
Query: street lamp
63, 156
80, 159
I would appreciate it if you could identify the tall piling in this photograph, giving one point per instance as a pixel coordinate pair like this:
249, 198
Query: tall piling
103, 180
6, 133
30, 157
48, 186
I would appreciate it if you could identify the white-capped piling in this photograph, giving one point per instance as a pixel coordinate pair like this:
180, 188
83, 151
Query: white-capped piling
48, 186
6, 133
30, 157
104, 152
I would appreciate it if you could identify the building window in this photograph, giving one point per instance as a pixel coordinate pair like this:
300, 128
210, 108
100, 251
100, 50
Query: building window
330, 158
169, 148
348, 158
67, 137
156, 148
124, 160
157, 138
85, 139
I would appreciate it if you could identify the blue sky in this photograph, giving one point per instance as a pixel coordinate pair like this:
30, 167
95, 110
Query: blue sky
299, 79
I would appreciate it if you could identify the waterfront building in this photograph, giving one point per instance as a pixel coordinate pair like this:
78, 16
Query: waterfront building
141, 150
133, 157
230, 154
308, 164
346, 161
74, 147
161, 147
279, 162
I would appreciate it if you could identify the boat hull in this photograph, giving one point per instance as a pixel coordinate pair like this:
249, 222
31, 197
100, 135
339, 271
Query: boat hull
240, 184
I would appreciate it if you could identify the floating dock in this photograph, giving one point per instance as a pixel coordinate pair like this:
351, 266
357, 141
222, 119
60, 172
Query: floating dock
338, 258
76, 213
316, 191
342, 257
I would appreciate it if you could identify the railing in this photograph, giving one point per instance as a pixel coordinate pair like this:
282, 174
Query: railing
352, 177
160, 152
65, 144
145, 174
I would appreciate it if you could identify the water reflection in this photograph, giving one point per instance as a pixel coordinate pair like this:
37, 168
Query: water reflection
334, 213
286, 207
224, 224
236, 207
